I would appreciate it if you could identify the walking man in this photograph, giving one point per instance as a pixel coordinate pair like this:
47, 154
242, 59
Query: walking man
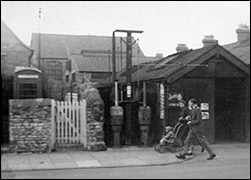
195, 131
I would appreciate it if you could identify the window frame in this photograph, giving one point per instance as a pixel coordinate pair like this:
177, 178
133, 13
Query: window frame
28, 92
54, 70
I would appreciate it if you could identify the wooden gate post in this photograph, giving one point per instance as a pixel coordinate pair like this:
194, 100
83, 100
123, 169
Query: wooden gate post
53, 129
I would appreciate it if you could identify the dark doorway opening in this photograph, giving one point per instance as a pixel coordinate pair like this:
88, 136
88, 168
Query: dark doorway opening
229, 109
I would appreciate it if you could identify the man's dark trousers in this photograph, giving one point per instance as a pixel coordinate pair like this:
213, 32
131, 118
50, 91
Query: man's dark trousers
196, 131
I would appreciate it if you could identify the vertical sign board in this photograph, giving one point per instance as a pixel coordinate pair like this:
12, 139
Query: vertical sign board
162, 101
204, 111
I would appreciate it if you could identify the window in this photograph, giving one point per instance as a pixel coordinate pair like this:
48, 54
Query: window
28, 91
54, 70
67, 79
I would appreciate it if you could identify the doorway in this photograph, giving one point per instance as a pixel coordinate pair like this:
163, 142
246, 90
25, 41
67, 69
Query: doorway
229, 109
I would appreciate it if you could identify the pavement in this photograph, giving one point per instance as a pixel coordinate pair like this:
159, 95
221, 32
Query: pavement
113, 157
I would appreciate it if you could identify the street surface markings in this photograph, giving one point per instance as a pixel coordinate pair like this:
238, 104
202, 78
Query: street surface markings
92, 163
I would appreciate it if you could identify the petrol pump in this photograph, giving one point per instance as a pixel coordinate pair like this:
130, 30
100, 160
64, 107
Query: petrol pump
116, 113
144, 115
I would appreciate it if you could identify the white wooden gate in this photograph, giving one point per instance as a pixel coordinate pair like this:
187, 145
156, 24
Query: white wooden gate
69, 122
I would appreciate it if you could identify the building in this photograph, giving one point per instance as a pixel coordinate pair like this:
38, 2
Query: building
98, 67
89, 55
241, 48
219, 79
13, 51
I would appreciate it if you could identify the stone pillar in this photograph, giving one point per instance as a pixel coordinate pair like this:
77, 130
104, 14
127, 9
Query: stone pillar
95, 117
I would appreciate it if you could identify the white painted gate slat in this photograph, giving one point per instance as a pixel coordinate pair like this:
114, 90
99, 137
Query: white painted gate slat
58, 122
77, 131
66, 121
67, 117
63, 121
53, 125
70, 122
73, 123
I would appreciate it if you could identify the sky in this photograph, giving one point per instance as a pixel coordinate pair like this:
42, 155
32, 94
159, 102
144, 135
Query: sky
164, 23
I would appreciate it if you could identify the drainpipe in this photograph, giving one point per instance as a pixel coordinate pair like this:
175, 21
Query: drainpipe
29, 58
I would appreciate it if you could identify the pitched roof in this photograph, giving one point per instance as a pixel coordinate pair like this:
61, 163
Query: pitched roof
181, 59
61, 46
185, 61
102, 62
166, 66
6, 29
240, 50
13, 51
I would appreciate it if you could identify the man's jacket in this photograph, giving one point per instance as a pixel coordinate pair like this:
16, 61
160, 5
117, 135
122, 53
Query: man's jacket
184, 113
195, 124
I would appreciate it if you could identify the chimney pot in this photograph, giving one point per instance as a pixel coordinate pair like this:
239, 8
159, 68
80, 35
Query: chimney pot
181, 47
159, 55
209, 40
243, 32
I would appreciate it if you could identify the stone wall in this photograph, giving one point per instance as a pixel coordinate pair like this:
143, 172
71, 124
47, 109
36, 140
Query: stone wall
95, 132
30, 125
95, 117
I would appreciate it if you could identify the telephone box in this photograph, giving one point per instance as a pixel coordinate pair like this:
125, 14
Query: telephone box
27, 83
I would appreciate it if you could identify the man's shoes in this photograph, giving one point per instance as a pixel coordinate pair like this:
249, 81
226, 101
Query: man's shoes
181, 156
202, 149
211, 157
189, 154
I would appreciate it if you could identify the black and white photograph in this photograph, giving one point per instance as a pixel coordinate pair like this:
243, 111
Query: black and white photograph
125, 89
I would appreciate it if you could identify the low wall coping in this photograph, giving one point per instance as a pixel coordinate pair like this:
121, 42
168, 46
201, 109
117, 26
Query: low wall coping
29, 102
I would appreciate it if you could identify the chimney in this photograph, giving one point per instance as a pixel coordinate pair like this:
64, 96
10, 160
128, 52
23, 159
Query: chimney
159, 55
181, 47
209, 40
243, 32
